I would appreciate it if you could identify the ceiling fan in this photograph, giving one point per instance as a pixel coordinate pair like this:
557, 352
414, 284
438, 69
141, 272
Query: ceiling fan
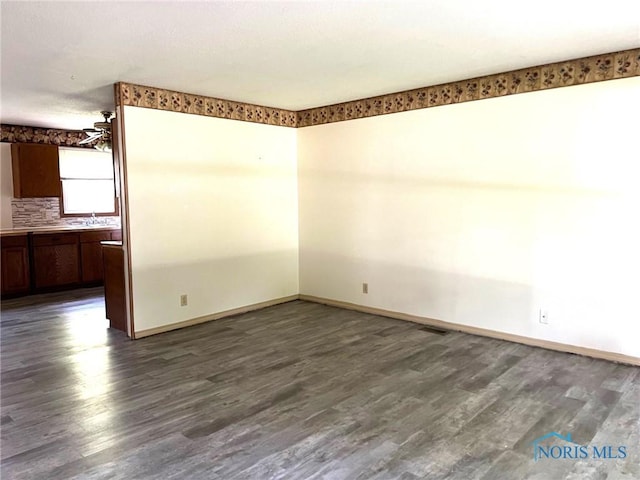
101, 131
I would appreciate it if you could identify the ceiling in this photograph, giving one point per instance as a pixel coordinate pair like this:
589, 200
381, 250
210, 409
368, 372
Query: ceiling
60, 59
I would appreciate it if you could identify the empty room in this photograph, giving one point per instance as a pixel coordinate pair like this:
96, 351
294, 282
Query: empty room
320, 240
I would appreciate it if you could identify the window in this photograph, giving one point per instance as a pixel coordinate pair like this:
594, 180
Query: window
88, 184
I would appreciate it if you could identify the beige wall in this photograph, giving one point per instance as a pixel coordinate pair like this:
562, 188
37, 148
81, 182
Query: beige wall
6, 186
213, 214
484, 212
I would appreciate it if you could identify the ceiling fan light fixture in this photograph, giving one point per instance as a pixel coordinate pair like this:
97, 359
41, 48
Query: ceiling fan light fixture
103, 145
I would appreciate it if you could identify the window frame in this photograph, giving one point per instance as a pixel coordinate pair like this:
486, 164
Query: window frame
116, 200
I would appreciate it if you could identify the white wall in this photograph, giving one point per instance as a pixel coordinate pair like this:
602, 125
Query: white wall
213, 214
6, 186
482, 213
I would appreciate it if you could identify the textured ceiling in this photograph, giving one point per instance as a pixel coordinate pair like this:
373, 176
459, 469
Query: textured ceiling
60, 59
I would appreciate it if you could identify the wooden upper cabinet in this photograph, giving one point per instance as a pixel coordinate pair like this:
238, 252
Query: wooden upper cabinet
36, 172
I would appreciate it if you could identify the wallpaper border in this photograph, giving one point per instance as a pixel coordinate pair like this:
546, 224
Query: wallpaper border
133, 95
54, 136
580, 71
597, 68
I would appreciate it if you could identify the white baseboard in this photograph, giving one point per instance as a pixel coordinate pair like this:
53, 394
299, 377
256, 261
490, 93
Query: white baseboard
534, 342
213, 316
432, 322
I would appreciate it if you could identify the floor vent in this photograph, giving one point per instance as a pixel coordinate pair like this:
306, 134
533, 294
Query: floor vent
433, 330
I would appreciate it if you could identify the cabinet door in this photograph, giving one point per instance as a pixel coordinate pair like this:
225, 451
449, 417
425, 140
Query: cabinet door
92, 269
114, 289
15, 270
36, 172
56, 265
91, 255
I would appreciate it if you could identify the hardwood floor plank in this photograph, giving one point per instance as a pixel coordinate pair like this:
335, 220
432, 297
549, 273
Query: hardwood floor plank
295, 391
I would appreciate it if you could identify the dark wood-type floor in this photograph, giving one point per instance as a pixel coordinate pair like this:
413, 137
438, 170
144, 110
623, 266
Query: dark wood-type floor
296, 391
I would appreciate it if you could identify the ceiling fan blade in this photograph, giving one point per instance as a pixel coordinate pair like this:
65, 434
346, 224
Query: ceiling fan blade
100, 130
89, 139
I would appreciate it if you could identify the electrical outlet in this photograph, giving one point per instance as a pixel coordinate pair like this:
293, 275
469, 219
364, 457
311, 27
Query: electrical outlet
365, 288
183, 300
543, 316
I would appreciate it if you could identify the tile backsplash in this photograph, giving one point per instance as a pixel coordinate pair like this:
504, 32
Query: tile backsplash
41, 212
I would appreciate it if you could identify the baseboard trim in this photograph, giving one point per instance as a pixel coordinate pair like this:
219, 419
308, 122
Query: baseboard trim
484, 332
213, 316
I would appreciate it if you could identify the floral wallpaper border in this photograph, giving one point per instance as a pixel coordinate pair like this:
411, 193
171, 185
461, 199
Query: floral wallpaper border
562, 74
161, 99
24, 134
597, 68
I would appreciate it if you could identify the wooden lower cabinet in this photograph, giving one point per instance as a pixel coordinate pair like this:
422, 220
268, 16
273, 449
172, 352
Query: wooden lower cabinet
114, 285
41, 262
91, 253
15, 265
91, 262
56, 260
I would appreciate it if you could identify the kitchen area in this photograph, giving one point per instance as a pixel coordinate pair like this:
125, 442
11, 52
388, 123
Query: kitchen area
59, 212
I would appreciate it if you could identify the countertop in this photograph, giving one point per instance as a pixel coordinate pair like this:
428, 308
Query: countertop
55, 229
111, 243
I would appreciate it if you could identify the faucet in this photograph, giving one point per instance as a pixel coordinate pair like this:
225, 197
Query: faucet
93, 220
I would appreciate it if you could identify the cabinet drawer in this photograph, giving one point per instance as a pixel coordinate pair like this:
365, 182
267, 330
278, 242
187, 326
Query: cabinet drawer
55, 239
86, 237
17, 241
116, 235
